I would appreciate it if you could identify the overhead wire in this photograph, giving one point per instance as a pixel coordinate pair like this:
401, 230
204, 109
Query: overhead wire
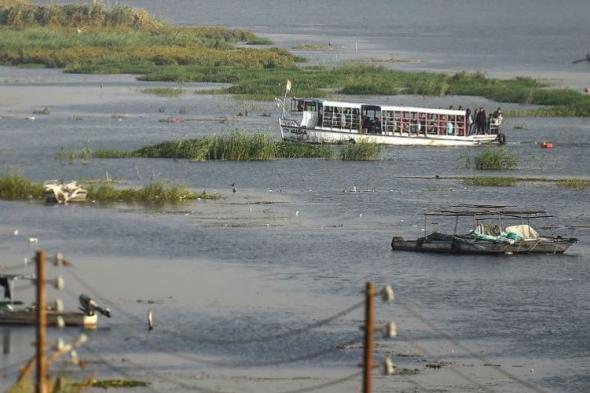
326, 384
205, 340
451, 339
196, 359
207, 390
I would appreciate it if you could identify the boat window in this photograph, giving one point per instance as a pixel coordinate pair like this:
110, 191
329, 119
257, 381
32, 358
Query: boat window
342, 118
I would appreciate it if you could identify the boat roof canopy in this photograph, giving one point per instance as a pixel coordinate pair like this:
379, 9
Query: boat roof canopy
423, 110
488, 211
341, 104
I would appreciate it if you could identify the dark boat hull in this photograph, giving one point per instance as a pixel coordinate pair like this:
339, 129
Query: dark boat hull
457, 245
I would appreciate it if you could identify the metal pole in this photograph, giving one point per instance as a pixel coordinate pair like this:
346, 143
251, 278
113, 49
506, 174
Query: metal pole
369, 320
41, 324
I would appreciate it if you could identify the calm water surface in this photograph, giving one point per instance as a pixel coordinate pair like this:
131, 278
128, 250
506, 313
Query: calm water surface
290, 247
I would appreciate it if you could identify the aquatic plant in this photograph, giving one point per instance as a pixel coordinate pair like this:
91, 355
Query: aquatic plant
496, 159
303, 150
236, 146
164, 91
574, 184
259, 41
83, 154
13, 186
362, 151
151, 193
488, 181
118, 383
21, 14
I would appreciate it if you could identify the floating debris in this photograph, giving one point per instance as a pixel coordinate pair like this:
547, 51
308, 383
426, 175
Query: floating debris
55, 192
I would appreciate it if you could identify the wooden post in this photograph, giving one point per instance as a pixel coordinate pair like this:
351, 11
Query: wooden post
41, 386
369, 320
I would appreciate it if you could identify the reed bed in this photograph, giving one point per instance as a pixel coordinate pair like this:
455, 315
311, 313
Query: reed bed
485, 181
236, 146
574, 184
496, 159
149, 194
164, 91
363, 151
13, 186
99, 39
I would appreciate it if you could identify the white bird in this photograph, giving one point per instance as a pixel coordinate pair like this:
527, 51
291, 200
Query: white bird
33, 240
16, 232
30, 117
150, 320
297, 213
533, 371
361, 215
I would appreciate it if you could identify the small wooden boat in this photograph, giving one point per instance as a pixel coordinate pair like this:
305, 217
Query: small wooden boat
13, 312
487, 238
28, 316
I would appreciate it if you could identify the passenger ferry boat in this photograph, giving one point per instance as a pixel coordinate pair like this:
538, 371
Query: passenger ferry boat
322, 121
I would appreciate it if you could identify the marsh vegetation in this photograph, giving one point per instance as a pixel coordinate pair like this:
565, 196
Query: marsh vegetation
99, 39
236, 146
14, 186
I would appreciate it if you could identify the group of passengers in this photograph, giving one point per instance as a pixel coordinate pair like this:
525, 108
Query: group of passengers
480, 123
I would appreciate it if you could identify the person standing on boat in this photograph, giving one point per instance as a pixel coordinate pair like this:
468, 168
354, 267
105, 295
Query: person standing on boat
476, 124
480, 120
484, 119
469, 117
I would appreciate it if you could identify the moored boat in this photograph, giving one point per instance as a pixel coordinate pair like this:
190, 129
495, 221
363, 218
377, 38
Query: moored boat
487, 238
13, 312
323, 121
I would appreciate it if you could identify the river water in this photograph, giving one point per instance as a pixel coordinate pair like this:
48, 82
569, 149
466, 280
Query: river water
290, 248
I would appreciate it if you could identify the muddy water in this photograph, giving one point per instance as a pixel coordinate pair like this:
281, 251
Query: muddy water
290, 248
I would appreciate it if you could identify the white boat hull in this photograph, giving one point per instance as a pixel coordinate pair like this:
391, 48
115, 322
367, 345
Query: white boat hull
317, 135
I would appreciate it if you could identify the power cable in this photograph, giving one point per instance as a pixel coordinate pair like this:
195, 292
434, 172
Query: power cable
196, 359
470, 352
206, 390
326, 384
205, 340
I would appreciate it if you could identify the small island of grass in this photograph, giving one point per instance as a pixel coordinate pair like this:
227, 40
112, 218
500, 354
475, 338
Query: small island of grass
13, 186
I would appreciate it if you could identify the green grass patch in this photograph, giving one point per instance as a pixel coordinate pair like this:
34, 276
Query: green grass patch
118, 383
574, 184
363, 151
102, 40
83, 154
259, 41
312, 47
13, 186
494, 159
288, 149
153, 193
484, 181
164, 91
236, 146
